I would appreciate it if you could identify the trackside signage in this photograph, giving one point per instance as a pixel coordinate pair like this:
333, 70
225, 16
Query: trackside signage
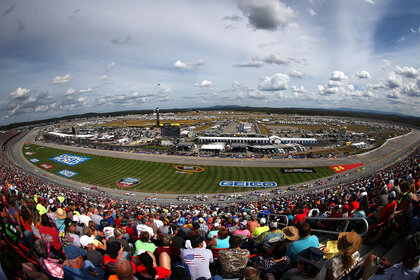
247, 184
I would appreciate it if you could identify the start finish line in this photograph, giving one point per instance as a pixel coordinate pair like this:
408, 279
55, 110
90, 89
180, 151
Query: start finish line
247, 184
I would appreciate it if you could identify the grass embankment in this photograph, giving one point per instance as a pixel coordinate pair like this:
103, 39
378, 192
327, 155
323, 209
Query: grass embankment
163, 177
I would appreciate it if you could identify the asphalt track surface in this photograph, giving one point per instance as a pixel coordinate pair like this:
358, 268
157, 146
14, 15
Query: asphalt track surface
393, 150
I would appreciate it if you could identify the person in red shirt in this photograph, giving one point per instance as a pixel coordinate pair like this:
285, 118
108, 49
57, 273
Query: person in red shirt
114, 251
148, 270
129, 230
173, 251
353, 205
49, 233
301, 213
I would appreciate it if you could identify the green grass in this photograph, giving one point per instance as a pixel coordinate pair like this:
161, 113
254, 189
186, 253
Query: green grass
162, 177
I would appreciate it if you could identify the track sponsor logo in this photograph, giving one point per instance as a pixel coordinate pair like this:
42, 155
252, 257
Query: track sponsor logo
188, 168
297, 170
26, 148
344, 167
69, 160
67, 173
46, 166
247, 184
29, 153
128, 182
34, 160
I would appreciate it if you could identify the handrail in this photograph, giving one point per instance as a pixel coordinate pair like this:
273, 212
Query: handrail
348, 220
279, 215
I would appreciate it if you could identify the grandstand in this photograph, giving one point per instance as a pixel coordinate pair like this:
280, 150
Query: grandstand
262, 235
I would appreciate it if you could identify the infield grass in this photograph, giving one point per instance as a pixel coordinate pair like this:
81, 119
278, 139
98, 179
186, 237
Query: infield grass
163, 177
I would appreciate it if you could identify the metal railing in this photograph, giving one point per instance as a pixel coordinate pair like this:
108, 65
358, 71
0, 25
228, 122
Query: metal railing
347, 220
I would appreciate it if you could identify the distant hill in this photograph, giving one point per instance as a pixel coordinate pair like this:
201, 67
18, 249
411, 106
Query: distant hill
345, 112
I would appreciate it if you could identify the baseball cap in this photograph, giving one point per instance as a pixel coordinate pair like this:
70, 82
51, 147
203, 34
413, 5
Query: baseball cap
69, 222
124, 222
72, 252
86, 240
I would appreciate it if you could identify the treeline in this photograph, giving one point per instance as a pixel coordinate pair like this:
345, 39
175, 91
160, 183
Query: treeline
409, 120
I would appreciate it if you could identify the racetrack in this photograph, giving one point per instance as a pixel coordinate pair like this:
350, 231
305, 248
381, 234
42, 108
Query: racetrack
374, 160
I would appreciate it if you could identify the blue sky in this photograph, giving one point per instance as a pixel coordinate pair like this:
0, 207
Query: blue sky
69, 57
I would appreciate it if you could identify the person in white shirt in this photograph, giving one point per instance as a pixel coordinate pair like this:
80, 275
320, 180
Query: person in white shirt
198, 259
83, 218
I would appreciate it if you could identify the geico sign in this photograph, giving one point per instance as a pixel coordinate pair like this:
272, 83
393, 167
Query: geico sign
247, 184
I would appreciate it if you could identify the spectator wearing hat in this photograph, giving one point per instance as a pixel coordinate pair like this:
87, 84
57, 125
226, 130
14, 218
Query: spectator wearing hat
92, 255
78, 269
242, 230
268, 238
214, 231
70, 234
49, 233
203, 226
59, 221
198, 259
306, 240
348, 245
310, 265
233, 259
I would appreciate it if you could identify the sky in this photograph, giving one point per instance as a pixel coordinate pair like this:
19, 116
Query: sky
67, 57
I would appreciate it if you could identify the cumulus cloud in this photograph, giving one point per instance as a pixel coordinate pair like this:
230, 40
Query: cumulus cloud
411, 89
296, 73
266, 14
363, 74
276, 82
408, 72
296, 89
394, 94
20, 94
62, 80
110, 66
189, 65
70, 91
204, 83
275, 59
259, 62
88, 90
311, 12
393, 81
338, 76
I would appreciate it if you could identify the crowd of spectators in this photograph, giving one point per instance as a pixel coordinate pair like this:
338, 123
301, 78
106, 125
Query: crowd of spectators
52, 232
